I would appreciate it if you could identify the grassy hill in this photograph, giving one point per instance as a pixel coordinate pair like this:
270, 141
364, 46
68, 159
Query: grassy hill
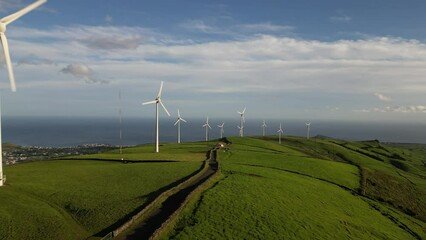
76, 199
317, 188
302, 189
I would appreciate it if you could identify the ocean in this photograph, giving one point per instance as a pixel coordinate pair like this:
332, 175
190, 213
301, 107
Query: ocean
69, 132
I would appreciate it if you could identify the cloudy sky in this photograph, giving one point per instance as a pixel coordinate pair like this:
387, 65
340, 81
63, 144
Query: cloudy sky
297, 59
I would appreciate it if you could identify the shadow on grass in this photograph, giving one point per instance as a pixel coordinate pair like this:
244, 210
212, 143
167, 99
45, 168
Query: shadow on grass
151, 197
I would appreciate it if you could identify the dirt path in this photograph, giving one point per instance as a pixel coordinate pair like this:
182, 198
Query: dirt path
151, 224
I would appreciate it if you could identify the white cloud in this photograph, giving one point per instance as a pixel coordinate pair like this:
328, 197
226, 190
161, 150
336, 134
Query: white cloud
382, 97
257, 64
266, 27
403, 109
235, 30
112, 43
340, 17
84, 72
395, 109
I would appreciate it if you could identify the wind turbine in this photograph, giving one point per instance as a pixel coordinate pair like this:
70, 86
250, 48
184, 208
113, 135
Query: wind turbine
120, 121
3, 24
263, 127
308, 126
207, 126
157, 101
241, 130
179, 119
221, 130
280, 131
242, 121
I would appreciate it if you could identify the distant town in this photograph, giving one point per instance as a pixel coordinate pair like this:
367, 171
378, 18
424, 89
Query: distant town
13, 154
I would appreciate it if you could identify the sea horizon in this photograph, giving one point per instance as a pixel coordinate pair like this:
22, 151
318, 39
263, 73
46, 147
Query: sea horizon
70, 132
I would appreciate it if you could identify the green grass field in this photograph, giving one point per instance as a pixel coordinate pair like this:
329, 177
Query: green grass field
77, 199
316, 189
302, 189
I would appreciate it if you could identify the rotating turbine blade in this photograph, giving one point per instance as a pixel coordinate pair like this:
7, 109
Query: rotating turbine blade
8, 61
182, 119
150, 102
244, 110
178, 114
161, 89
165, 109
22, 12
177, 122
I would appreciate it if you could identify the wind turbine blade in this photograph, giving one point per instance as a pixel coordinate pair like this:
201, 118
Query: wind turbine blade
22, 12
8, 61
182, 119
209, 126
178, 114
165, 109
177, 122
150, 102
244, 110
161, 89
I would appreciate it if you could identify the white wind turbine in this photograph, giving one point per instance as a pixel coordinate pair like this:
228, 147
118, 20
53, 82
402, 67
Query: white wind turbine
280, 131
3, 24
308, 128
242, 121
121, 123
179, 119
221, 130
157, 101
207, 126
263, 128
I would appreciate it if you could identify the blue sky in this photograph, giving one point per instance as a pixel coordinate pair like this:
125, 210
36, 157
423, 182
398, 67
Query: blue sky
339, 60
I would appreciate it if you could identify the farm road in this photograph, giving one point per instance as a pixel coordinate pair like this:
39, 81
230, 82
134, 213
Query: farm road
151, 224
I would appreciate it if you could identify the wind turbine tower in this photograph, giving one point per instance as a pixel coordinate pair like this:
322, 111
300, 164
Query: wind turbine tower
242, 121
280, 131
221, 130
263, 128
120, 121
207, 126
157, 101
308, 128
3, 24
179, 119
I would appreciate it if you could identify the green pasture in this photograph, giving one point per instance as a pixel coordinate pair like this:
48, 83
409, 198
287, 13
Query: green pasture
305, 189
168, 151
77, 199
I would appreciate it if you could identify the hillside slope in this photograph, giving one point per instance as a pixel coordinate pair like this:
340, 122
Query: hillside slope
317, 188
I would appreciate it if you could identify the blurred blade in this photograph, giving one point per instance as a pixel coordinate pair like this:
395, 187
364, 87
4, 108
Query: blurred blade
20, 13
209, 126
165, 109
150, 102
178, 114
244, 110
177, 122
161, 89
8, 61
182, 119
